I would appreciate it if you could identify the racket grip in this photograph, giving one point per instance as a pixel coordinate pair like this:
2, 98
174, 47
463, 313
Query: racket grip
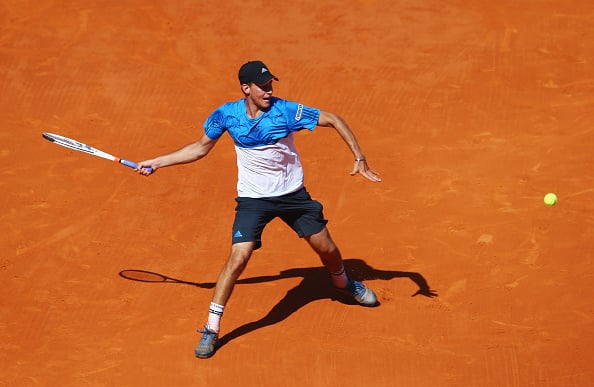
133, 165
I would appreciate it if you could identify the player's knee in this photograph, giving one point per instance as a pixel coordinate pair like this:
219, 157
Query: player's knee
332, 251
239, 257
326, 247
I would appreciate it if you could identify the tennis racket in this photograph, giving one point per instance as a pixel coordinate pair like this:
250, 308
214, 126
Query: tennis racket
79, 146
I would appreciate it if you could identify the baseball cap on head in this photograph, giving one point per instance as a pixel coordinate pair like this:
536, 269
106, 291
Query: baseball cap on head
255, 71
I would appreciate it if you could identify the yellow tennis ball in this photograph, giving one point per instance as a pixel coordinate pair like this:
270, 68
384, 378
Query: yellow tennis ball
550, 199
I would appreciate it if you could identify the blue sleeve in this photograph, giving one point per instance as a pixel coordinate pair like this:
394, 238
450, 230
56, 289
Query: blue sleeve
300, 116
214, 126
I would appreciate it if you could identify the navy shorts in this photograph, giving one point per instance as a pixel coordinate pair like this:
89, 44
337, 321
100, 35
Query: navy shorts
298, 210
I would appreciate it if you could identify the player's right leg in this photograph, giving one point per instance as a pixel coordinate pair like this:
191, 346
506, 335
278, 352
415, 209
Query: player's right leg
251, 216
236, 263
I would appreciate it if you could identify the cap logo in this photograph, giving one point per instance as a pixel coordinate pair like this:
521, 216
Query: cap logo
264, 70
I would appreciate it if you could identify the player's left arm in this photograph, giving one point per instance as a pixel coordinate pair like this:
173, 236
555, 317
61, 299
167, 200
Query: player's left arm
328, 119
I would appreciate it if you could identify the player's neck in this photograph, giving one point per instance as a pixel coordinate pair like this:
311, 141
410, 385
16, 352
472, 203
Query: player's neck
251, 109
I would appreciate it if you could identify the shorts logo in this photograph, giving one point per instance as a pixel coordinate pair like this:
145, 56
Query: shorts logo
299, 112
237, 234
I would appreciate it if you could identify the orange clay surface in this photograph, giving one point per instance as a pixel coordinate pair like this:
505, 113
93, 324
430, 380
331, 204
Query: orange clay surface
471, 111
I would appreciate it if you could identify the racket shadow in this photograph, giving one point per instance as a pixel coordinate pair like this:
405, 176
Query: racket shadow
152, 277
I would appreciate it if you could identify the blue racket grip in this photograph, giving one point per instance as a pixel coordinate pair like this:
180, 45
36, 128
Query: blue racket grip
133, 165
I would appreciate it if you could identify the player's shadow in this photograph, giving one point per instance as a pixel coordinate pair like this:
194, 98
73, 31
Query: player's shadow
315, 285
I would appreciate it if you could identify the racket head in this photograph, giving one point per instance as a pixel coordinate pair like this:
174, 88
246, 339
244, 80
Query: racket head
77, 145
68, 142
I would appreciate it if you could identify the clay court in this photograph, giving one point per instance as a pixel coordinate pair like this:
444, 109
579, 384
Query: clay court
471, 111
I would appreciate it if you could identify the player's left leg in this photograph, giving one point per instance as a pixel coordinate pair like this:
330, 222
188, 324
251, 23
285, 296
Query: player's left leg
305, 216
329, 253
325, 247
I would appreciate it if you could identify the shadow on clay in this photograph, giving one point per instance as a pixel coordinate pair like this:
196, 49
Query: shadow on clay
314, 286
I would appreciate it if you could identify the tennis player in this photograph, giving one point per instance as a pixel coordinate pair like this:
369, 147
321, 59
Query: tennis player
270, 183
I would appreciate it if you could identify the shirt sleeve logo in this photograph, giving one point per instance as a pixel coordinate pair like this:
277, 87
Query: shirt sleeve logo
299, 112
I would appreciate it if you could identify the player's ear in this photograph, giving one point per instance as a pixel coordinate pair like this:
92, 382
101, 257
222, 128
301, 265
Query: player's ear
245, 87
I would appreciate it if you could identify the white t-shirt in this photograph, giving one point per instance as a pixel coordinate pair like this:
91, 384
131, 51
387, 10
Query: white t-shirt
267, 161
269, 170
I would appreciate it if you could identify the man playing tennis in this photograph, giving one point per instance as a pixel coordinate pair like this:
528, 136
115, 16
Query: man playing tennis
270, 183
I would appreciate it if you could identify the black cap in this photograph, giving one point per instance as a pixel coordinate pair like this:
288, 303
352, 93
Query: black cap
255, 71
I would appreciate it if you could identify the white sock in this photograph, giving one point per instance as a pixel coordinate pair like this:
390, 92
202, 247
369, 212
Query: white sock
215, 312
339, 278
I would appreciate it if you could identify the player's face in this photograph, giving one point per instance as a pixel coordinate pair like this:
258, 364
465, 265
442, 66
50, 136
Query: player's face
260, 95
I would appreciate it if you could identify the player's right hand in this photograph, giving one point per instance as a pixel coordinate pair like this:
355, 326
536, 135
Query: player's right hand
145, 168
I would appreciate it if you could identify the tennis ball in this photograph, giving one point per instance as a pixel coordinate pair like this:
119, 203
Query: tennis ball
550, 199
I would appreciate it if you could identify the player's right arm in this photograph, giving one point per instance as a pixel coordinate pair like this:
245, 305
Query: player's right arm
188, 154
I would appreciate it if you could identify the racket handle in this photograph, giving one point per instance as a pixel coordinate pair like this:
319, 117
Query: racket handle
133, 165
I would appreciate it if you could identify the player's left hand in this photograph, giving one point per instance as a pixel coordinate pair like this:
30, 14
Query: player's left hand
362, 168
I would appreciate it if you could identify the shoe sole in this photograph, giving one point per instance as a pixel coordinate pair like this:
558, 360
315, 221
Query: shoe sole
207, 354
203, 356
